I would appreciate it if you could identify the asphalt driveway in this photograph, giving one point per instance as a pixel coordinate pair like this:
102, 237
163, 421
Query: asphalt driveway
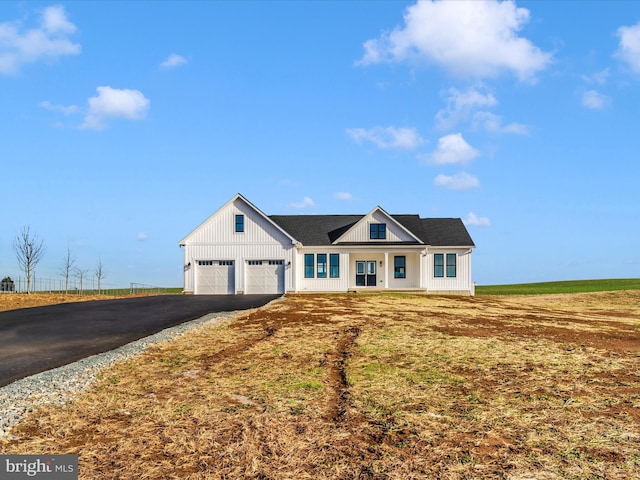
33, 340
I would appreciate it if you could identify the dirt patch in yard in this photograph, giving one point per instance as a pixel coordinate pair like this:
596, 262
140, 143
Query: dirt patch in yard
575, 319
604, 335
371, 387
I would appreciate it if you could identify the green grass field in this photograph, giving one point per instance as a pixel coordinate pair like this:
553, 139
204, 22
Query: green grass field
570, 286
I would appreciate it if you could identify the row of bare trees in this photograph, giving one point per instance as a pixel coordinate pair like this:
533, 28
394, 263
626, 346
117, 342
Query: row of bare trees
30, 249
69, 268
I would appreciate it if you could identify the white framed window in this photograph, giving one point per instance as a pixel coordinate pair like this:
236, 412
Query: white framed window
440, 268
309, 267
322, 265
438, 265
239, 223
377, 231
400, 266
451, 264
334, 265
316, 265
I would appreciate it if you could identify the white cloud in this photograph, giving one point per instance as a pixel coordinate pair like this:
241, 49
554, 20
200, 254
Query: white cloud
475, 221
468, 38
65, 109
462, 107
115, 103
595, 100
141, 237
459, 181
492, 123
173, 60
19, 46
451, 149
54, 20
629, 46
305, 203
471, 98
342, 196
599, 78
405, 138
461, 104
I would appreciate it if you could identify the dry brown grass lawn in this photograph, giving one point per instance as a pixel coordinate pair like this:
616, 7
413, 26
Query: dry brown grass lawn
14, 301
370, 387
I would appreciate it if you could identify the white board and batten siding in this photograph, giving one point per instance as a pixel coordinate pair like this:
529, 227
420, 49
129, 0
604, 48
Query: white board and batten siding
460, 284
216, 242
412, 270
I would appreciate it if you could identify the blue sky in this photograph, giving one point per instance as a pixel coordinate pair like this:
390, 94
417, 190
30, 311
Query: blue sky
125, 124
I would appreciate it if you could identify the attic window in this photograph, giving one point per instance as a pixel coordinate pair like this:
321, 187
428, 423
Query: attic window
378, 231
239, 223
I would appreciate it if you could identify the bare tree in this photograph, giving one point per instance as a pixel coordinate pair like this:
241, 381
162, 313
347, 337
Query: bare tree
29, 251
80, 273
99, 272
67, 269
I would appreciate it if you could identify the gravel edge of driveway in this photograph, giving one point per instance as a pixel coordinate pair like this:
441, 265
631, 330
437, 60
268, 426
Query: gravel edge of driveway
59, 385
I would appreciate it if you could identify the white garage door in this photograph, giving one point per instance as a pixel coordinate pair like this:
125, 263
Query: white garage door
265, 276
215, 277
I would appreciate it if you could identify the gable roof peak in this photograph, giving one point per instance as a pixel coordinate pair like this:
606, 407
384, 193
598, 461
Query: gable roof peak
390, 218
231, 201
378, 207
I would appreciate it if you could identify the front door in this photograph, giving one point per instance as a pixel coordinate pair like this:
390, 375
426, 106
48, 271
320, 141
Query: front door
366, 273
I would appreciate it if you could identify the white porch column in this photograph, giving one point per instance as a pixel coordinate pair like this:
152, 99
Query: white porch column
423, 258
386, 269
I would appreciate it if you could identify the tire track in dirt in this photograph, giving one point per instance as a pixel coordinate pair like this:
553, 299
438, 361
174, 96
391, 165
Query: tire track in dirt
338, 385
238, 348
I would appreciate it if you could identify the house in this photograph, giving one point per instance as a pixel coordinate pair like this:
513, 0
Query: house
240, 250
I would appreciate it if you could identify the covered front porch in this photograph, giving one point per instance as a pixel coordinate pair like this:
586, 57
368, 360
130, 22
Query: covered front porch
386, 270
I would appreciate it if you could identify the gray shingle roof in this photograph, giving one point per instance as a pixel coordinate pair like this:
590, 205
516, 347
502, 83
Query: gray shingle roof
315, 229
322, 230
447, 232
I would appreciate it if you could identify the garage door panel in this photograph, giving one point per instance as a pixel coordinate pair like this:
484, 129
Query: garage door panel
215, 277
265, 277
